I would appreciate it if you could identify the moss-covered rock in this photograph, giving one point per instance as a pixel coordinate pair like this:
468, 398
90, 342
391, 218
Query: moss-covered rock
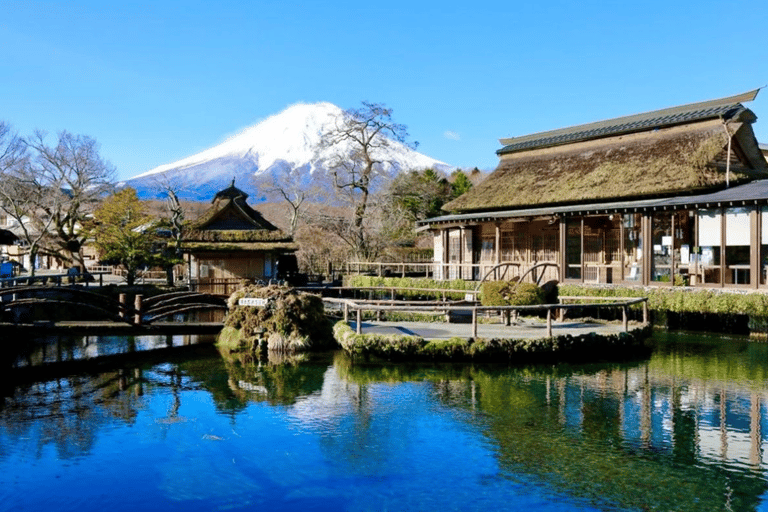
290, 321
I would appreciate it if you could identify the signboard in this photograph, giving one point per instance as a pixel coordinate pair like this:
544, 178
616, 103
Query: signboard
253, 301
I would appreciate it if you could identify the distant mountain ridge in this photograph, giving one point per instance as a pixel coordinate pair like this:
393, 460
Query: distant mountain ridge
284, 144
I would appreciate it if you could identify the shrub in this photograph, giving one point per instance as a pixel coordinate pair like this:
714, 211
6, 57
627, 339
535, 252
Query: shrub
504, 293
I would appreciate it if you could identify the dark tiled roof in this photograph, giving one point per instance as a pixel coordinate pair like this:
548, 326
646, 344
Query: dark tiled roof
724, 107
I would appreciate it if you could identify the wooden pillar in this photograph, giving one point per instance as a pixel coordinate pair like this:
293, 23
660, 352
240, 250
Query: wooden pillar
549, 322
646, 318
359, 326
497, 251
562, 259
621, 246
723, 262
474, 322
754, 244
624, 318
137, 307
122, 308
647, 239
672, 266
346, 312
581, 260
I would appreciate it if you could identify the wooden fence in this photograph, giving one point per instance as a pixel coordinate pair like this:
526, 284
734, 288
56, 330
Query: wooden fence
445, 308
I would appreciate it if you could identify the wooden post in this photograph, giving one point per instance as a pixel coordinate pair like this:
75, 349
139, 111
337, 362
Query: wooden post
137, 307
646, 318
474, 322
346, 313
359, 326
624, 318
122, 307
549, 322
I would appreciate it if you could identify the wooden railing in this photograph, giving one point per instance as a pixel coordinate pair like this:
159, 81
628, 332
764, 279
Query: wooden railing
506, 271
359, 306
55, 279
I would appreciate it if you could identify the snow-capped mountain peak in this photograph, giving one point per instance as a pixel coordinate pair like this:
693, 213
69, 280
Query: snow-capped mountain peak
288, 141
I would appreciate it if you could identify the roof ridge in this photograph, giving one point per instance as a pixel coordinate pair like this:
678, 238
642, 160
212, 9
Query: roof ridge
637, 122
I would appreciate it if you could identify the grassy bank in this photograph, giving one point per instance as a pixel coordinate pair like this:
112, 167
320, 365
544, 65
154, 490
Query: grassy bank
588, 347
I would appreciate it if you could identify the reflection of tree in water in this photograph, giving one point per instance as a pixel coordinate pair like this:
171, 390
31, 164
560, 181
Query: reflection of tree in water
279, 380
68, 412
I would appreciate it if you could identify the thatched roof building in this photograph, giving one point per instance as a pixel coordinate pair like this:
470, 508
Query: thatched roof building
231, 241
678, 195
680, 150
232, 225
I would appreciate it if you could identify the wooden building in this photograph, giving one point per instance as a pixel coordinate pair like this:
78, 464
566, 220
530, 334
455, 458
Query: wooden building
231, 241
678, 195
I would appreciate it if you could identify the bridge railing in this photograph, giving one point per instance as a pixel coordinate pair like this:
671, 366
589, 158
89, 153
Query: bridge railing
56, 279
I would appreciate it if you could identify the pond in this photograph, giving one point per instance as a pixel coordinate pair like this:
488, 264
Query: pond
685, 429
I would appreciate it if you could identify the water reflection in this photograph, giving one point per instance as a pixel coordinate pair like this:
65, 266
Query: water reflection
683, 430
68, 348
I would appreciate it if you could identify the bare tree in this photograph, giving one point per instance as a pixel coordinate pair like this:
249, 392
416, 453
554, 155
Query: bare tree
74, 178
361, 144
175, 212
20, 193
286, 185
13, 149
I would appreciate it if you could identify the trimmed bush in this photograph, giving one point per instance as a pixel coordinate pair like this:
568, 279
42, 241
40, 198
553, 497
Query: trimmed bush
506, 293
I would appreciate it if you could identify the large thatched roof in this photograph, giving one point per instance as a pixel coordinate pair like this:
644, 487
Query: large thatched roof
670, 152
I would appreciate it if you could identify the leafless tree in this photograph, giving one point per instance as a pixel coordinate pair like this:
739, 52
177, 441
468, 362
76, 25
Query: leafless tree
175, 211
74, 178
360, 145
21, 193
286, 185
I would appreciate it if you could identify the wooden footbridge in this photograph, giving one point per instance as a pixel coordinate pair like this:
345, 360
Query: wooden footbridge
18, 303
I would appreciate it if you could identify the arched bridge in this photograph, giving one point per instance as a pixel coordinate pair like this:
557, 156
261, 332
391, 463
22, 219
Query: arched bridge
20, 304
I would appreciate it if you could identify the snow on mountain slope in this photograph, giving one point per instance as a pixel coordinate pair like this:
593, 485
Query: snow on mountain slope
286, 143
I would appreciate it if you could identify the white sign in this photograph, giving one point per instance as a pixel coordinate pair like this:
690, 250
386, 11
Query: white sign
252, 301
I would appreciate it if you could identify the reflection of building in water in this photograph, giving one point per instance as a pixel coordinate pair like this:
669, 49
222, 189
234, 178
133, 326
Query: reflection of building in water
708, 421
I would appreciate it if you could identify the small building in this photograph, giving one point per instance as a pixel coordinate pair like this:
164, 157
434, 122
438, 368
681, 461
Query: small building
230, 242
674, 196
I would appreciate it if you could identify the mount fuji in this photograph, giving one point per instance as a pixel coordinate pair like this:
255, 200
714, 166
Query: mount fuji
283, 146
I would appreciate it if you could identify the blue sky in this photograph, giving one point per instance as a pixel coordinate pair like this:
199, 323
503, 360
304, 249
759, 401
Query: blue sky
157, 81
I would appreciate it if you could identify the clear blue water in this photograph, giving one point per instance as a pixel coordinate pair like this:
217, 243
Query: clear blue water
686, 429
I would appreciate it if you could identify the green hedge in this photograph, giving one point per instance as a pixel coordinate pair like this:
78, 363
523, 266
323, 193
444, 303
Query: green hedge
682, 301
587, 347
405, 283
